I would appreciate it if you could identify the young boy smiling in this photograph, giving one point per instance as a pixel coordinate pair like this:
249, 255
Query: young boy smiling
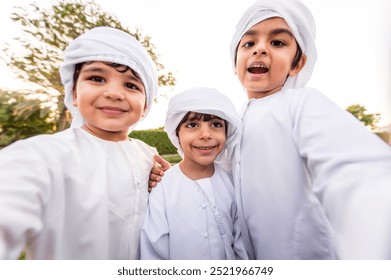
82, 193
192, 212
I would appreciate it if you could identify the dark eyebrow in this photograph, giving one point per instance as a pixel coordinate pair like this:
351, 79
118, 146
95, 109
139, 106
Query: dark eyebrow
92, 69
282, 30
273, 32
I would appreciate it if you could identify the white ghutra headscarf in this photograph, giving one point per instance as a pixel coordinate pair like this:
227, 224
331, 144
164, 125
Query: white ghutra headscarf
109, 45
205, 101
299, 19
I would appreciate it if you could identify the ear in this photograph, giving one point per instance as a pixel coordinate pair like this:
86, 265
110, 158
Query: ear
74, 98
294, 71
144, 110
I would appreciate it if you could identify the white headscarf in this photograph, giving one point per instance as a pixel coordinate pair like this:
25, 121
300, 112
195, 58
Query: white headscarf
205, 101
300, 21
109, 45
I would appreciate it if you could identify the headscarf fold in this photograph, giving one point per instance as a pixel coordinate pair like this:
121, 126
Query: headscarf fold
109, 45
205, 101
299, 19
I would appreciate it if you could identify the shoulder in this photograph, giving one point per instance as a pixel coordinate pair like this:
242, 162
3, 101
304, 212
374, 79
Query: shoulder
42, 150
301, 94
172, 178
304, 99
223, 177
222, 172
43, 143
173, 175
144, 147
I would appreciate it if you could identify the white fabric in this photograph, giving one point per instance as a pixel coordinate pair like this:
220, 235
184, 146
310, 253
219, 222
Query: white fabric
109, 45
206, 101
315, 183
189, 219
300, 21
72, 195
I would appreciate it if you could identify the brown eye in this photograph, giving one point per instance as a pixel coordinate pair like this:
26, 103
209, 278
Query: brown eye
249, 44
97, 79
277, 43
131, 86
191, 125
217, 124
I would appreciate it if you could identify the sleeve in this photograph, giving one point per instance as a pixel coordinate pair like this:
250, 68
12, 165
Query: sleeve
239, 248
154, 235
350, 169
24, 185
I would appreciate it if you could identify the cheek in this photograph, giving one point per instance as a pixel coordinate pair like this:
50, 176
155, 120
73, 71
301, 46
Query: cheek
138, 101
221, 137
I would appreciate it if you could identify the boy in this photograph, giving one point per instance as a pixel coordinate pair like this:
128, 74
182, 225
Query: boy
315, 183
82, 193
192, 212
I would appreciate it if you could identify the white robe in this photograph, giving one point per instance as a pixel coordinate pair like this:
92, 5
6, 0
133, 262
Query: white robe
189, 219
315, 183
72, 195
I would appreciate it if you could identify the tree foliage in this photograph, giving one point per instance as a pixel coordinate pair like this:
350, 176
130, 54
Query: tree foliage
360, 112
22, 117
45, 35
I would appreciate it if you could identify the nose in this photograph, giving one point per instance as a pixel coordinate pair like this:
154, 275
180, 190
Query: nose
114, 93
260, 49
205, 131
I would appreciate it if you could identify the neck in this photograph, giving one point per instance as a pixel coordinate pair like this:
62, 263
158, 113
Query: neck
105, 135
261, 94
196, 171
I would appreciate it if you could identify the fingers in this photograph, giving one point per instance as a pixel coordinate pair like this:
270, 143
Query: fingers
153, 180
157, 171
153, 177
151, 185
165, 165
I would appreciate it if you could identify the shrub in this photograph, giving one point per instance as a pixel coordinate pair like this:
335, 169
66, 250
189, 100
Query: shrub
156, 138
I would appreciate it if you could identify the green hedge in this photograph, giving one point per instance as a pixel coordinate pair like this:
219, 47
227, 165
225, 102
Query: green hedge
156, 138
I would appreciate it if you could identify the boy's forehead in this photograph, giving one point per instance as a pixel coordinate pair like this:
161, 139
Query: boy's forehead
273, 25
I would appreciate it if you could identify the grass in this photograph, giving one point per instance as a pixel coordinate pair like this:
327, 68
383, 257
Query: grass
174, 158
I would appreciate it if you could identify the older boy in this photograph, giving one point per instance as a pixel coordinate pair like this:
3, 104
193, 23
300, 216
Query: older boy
315, 184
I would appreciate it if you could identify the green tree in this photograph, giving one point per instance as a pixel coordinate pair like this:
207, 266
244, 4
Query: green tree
22, 117
45, 35
360, 112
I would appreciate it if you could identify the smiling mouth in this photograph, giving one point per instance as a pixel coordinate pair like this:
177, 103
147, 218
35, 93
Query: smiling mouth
205, 148
112, 109
258, 68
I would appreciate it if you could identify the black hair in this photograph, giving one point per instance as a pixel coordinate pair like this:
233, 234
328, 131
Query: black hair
297, 57
199, 116
117, 66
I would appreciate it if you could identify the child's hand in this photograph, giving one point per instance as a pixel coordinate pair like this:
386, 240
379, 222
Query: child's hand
160, 165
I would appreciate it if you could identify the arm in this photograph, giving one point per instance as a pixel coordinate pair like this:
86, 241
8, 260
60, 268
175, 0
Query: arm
157, 171
350, 170
24, 183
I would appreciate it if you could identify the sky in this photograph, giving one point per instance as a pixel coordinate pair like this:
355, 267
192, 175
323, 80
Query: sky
192, 39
